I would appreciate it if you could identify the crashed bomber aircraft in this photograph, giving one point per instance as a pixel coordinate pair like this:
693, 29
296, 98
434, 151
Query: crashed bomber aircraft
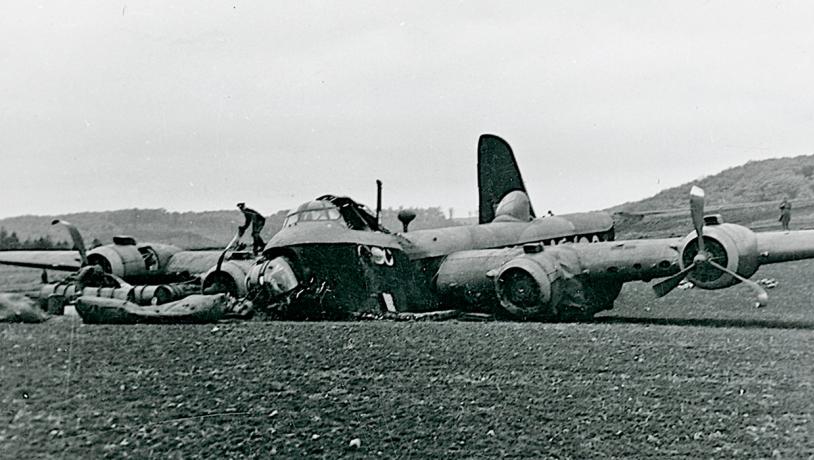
333, 259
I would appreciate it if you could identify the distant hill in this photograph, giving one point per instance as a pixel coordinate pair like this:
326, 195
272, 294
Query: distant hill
189, 230
753, 182
748, 195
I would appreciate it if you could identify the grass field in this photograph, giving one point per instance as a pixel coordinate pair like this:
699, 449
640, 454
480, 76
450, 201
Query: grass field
697, 374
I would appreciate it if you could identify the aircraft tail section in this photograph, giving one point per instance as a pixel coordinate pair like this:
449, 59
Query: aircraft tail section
498, 175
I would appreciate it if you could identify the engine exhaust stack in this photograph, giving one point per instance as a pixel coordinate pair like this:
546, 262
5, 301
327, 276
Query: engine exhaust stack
378, 202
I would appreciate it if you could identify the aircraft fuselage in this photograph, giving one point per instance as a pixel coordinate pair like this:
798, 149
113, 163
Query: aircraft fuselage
341, 270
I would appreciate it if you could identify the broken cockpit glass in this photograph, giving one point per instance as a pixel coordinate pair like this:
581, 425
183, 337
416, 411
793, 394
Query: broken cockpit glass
312, 211
354, 215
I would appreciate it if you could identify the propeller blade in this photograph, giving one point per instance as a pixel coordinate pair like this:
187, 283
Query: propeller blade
697, 213
228, 247
663, 287
762, 296
77, 239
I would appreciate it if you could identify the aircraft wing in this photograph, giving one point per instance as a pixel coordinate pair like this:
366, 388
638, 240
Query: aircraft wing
774, 247
51, 260
545, 282
193, 262
581, 279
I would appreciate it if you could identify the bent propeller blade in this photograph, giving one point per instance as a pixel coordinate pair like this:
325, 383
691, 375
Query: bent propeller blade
78, 243
762, 296
228, 247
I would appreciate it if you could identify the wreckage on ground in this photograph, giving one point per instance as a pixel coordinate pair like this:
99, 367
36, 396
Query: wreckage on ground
165, 275
195, 308
334, 260
130, 262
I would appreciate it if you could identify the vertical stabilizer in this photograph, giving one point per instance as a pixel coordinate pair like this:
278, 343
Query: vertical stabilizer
498, 175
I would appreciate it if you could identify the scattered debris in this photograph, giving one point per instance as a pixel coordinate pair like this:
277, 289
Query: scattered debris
685, 284
476, 317
17, 308
768, 283
441, 315
239, 309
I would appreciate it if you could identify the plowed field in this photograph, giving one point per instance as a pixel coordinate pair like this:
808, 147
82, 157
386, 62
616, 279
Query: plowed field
694, 375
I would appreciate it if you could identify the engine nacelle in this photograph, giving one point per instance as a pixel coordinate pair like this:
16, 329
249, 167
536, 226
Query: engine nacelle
528, 286
732, 246
465, 279
132, 260
276, 276
230, 279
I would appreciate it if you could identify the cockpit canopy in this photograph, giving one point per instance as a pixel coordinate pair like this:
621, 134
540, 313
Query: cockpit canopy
353, 215
312, 211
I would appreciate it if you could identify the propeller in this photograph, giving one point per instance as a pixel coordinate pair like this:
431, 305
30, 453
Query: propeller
232, 244
663, 287
762, 296
77, 239
704, 258
697, 214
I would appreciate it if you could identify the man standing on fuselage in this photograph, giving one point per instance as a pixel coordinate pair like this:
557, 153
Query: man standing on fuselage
257, 221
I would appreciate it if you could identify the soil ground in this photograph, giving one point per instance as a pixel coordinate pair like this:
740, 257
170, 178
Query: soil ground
696, 374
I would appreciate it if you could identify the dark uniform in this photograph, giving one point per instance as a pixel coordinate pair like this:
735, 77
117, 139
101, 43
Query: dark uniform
785, 214
257, 221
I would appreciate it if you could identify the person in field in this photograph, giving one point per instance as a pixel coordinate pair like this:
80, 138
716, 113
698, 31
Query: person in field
256, 221
785, 214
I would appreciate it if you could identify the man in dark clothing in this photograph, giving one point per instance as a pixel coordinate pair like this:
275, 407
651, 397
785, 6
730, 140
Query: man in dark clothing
257, 221
785, 214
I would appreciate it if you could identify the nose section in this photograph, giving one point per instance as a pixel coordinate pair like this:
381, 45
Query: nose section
325, 281
276, 276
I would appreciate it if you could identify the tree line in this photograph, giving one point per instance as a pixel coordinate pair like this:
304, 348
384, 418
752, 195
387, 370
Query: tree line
189, 230
12, 241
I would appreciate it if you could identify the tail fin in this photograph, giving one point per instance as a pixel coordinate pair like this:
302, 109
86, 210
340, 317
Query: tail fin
498, 175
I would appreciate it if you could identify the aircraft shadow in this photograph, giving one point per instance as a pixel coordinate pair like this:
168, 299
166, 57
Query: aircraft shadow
707, 322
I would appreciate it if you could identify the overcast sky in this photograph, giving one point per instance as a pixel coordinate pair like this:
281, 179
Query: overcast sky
197, 105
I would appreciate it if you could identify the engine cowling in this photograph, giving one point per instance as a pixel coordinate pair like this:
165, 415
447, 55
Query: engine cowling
132, 260
465, 279
276, 276
732, 246
527, 286
231, 278
115, 262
